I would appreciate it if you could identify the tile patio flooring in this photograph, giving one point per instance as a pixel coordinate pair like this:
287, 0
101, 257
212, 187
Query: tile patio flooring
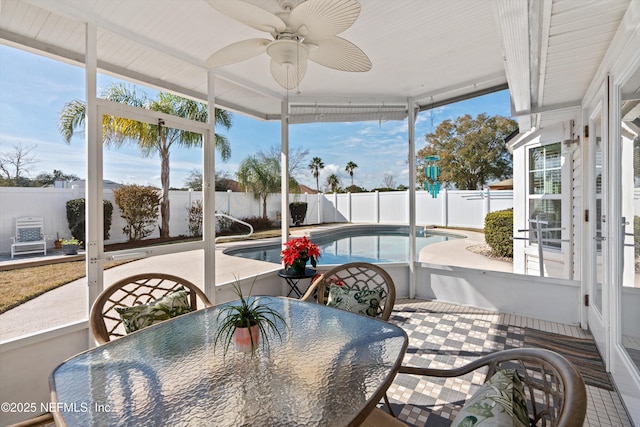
443, 335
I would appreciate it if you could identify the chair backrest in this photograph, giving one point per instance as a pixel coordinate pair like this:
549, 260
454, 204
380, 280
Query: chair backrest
355, 275
556, 394
29, 229
105, 321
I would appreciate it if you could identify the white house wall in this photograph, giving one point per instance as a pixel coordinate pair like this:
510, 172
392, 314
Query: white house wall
557, 263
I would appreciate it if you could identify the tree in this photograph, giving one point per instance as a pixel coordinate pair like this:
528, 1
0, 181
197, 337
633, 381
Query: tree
471, 151
349, 169
260, 174
57, 175
194, 180
388, 181
150, 138
14, 165
139, 208
316, 166
296, 158
333, 182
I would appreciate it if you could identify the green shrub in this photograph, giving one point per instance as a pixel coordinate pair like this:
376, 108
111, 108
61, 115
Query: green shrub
498, 230
194, 219
139, 208
76, 218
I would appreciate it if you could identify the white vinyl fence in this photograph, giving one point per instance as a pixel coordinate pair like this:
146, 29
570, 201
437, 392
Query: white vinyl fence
450, 208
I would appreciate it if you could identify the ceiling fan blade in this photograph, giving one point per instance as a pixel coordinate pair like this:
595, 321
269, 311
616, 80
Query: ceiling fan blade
339, 54
288, 76
237, 52
248, 14
320, 19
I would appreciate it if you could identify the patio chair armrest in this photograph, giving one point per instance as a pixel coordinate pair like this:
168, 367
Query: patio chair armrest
308, 296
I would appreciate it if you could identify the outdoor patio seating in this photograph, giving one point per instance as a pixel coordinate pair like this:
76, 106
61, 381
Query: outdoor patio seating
347, 279
30, 237
137, 301
553, 390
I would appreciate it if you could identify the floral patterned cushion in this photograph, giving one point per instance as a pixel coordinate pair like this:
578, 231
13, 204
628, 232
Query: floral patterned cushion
143, 315
365, 301
499, 402
29, 234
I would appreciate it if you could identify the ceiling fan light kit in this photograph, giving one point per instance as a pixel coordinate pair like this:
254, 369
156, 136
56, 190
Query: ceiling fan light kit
302, 31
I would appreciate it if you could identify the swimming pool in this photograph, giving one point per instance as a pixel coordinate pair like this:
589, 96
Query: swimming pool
372, 244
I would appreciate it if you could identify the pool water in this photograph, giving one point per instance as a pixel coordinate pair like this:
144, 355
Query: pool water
375, 244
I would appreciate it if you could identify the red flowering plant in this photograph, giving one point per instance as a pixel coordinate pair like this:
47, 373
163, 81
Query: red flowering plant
298, 251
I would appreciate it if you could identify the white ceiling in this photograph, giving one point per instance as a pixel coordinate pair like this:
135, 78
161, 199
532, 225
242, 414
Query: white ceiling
433, 51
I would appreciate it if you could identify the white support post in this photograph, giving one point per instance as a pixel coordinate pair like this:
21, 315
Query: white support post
377, 210
411, 118
209, 194
94, 239
319, 196
284, 173
349, 207
229, 194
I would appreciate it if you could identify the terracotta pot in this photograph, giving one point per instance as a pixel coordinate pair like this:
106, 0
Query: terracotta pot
242, 340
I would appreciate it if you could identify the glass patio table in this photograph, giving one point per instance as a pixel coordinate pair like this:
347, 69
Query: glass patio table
331, 368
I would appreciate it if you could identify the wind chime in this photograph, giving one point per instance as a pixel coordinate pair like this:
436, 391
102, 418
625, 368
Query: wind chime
432, 172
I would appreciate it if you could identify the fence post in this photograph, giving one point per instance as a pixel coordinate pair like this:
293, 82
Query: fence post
319, 197
228, 202
335, 207
377, 202
487, 202
349, 205
445, 207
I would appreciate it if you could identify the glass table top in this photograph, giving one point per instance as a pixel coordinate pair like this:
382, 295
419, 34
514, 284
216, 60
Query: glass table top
330, 368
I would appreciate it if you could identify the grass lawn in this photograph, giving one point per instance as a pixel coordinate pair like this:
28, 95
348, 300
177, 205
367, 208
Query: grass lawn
22, 284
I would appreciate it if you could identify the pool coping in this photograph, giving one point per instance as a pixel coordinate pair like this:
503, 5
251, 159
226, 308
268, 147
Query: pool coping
325, 231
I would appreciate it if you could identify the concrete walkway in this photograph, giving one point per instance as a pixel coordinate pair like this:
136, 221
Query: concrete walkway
455, 252
35, 315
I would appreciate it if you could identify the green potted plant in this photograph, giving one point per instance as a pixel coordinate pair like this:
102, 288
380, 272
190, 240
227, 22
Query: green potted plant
298, 251
298, 211
246, 322
70, 246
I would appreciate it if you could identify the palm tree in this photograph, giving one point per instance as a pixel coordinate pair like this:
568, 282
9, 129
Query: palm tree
334, 182
260, 174
316, 165
349, 169
150, 138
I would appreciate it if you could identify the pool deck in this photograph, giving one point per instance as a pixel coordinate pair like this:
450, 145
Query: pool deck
20, 320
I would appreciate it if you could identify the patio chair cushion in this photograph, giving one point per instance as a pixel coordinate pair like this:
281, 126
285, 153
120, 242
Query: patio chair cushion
501, 401
143, 315
29, 234
362, 301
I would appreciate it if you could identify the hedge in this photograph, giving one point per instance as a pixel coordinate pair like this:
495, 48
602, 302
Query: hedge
498, 230
76, 218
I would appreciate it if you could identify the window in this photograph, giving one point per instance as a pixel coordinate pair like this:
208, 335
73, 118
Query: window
545, 192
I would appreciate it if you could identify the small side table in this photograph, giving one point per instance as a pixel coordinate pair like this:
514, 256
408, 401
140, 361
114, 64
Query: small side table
294, 278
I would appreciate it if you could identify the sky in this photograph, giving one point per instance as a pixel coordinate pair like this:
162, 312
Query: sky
34, 89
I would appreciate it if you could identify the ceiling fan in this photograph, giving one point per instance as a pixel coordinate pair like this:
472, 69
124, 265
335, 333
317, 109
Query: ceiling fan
302, 30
